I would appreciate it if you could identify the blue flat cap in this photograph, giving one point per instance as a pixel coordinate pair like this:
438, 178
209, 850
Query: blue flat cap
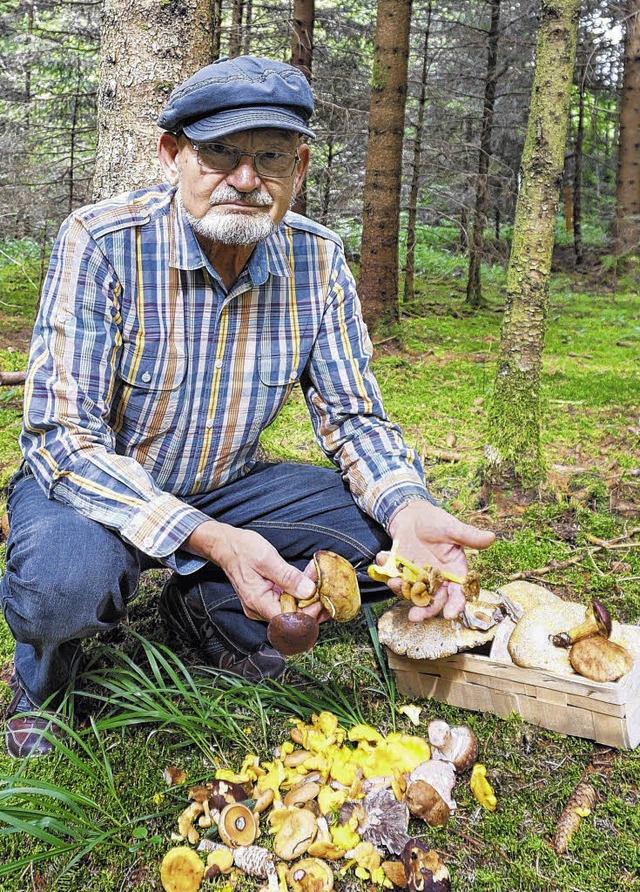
239, 94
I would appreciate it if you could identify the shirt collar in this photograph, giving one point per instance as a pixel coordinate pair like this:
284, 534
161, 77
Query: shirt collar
268, 258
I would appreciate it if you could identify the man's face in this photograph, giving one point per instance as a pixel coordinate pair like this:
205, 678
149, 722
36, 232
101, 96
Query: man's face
240, 206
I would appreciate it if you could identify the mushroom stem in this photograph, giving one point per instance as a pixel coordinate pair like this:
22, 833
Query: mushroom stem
597, 621
414, 568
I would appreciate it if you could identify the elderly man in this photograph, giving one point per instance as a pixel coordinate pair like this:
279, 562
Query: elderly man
173, 325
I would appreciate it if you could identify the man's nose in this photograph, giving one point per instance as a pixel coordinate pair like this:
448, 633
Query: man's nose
244, 177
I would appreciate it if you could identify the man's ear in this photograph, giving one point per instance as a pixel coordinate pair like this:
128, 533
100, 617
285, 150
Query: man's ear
301, 168
168, 149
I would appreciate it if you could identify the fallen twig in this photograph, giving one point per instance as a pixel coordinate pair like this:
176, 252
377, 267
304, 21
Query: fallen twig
8, 378
602, 545
442, 454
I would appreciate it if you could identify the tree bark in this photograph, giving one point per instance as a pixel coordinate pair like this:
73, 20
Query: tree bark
577, 168
302, 58
474, 284
235, 32
627, 229
409, 272
378, 283
513, 453
148, 48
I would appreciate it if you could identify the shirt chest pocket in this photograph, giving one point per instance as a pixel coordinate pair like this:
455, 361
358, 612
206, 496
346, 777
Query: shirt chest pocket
151, 387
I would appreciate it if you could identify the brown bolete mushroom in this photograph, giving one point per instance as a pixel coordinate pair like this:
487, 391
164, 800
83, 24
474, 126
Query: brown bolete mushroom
293, 631
597, 621
424, 870
440, 775
426, 803
457, 744
310, 875
600, 659
394, 871
237, 825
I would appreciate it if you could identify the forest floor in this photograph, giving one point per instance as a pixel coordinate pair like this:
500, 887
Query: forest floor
103, 796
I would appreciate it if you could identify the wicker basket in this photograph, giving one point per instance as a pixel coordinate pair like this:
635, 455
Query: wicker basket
608, 713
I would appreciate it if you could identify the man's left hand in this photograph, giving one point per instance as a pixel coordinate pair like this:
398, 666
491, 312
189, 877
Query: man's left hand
426, 534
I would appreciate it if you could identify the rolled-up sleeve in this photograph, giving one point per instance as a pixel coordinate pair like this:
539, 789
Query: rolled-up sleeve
344, 400
67, 438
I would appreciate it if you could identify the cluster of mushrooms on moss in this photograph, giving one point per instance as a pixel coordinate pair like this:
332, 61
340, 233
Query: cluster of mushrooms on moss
329, 801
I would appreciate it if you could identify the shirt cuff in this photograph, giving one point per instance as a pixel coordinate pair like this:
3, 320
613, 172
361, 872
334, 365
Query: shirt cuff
160, 526
398, 498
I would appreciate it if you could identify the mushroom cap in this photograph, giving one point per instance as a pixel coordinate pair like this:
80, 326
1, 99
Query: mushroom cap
394, 871
237, 825
296, 834
302, 794
600, 659
441, 776
293, 633
460, 747
310, 875
426, 803
530, 644
337, 585
181, 870
424, 870
601, 616
429, 640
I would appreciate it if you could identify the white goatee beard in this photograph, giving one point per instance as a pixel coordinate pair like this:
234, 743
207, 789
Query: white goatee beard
233, 227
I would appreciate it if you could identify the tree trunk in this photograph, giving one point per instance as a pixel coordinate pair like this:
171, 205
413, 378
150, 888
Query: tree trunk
409, 290
235, 32
627, 235
513, 453
302, 58
474, 284
577, 168
248, 28
148, 48
216, 29
72, 139
378, 284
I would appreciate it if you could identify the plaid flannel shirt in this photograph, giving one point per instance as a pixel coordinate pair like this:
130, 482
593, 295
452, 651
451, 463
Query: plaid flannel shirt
148, 382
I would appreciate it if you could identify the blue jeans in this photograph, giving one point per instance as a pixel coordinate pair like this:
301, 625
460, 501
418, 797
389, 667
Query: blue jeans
69, 577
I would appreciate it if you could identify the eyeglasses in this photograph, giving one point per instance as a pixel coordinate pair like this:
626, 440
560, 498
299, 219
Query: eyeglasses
215, 156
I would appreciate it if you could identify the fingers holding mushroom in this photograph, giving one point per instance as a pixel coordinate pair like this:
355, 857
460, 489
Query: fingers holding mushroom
293, 631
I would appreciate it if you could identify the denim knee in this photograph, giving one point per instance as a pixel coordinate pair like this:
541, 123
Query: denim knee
66, 576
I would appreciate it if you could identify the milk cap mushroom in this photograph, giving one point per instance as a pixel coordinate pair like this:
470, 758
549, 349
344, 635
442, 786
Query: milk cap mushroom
600, 659
181, 870
237, 825
597, 621
310, 875
296, 834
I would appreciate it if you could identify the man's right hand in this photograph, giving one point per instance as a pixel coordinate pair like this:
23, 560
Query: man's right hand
253, 566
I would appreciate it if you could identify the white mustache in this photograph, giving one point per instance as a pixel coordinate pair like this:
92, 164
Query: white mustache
225, 194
